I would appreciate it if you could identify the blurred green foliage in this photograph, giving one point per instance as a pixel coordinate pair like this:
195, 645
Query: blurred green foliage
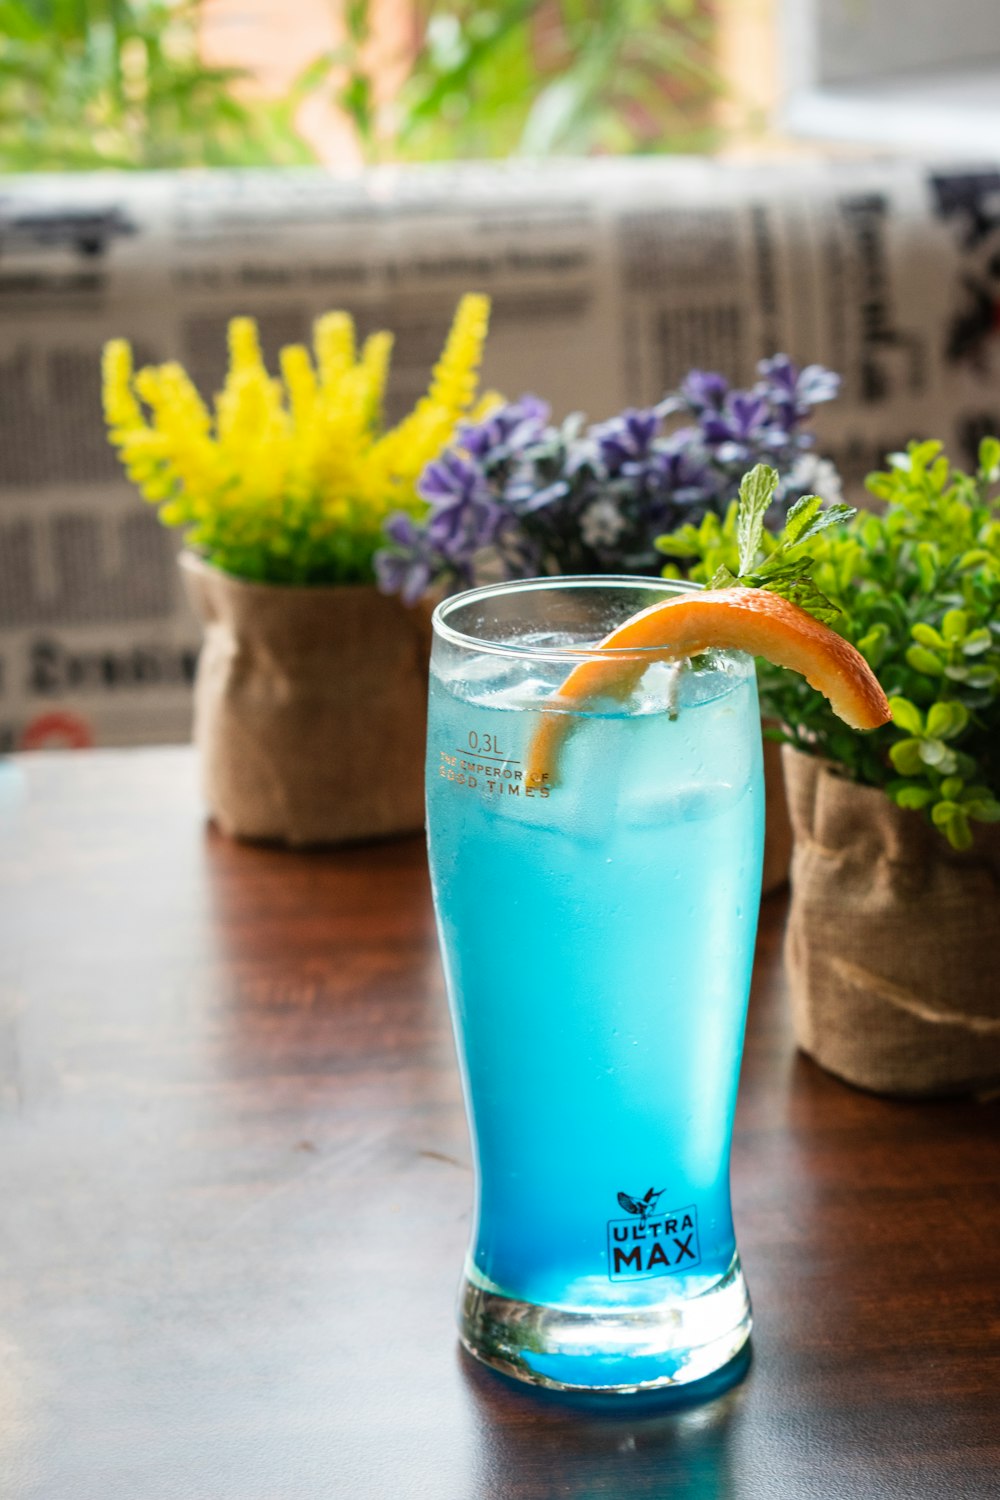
118, 83
535, 77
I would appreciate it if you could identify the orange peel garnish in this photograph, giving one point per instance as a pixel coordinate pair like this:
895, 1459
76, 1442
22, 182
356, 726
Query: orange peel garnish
734, 619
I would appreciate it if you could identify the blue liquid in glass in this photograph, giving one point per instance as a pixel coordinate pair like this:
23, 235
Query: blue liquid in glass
598, 944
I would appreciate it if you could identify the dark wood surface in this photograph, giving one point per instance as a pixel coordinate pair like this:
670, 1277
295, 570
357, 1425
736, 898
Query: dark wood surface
234, 1197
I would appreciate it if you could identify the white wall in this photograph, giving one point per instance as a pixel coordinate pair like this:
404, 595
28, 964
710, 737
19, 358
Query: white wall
858, 38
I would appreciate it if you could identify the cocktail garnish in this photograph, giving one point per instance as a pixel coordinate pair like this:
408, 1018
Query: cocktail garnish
769, 609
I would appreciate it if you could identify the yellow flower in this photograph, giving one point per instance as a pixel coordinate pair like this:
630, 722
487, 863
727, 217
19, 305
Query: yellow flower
456, 374
300, 382
375, 357
290, 477
401, 455
244, 347
122, 411
333, 340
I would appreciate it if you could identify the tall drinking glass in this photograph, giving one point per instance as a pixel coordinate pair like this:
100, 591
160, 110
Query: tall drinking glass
597, 928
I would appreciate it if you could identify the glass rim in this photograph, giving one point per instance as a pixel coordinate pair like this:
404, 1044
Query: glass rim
560, 582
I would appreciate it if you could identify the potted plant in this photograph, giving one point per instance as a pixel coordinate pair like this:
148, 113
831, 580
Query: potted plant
516, 492
310, 701
896, 867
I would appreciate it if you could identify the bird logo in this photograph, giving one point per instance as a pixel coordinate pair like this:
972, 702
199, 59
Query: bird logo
641, 1206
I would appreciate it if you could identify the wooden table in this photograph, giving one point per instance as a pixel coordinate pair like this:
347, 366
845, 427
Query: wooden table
234, 1197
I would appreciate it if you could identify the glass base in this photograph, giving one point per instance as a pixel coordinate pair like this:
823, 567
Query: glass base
668, 1343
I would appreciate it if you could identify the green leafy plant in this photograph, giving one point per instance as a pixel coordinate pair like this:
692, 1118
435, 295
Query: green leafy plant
119, 83
533, 77
917, 590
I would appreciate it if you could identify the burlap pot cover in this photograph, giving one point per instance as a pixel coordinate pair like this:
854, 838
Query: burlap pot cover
891, 941
310, 709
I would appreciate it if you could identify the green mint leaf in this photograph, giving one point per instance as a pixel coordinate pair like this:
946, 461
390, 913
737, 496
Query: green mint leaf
807, 518
777, 573
793, 580
833, 515
757, 492
723, 578
802, 591
799, 518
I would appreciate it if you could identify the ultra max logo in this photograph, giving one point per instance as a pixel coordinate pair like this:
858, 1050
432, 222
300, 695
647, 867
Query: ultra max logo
651, 1243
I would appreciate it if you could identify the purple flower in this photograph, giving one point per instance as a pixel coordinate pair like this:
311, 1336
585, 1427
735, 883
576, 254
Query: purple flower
793, 391
683, 471
779, 375
704, 390
539, 498
408, 567
817, 384
625, 439
450, 480
460, 499
738, 422
466, 514
525, 496
509, 429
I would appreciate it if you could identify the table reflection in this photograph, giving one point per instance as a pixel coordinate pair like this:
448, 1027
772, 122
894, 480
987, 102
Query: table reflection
676, 1443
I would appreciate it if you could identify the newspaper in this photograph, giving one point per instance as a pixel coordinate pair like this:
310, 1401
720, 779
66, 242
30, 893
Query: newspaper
609, 280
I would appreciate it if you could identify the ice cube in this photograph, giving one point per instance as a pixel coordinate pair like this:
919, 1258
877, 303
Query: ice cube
692, 803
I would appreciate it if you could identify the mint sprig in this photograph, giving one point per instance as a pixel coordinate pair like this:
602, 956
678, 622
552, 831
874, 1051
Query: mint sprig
757, 491
783, 569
